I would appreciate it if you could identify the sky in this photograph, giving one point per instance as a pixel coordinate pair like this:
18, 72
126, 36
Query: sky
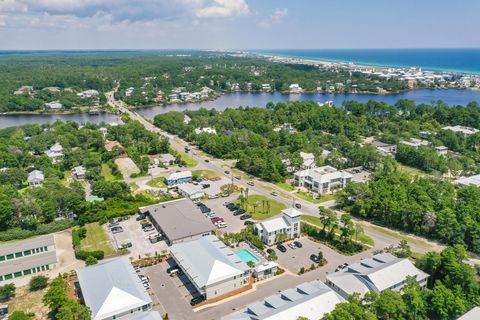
238, 24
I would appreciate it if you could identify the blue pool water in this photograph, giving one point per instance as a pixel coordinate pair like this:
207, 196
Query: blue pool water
246, 256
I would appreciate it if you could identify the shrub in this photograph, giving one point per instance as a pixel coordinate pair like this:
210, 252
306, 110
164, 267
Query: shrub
52, 227
19, 315
38, 283
7, 291
91, 260
83, 254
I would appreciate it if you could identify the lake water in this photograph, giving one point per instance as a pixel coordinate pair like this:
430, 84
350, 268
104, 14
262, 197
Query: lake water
234, 100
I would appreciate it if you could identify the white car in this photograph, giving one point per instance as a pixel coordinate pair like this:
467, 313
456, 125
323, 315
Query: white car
142, 277
292, 245
146, 285
221, 225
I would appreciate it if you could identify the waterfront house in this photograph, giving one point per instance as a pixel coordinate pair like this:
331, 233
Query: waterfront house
54, 105
284, 227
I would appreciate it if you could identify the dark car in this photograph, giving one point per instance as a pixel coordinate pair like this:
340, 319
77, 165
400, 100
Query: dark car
281, 248
314, 258
205, 209
227, 172
245, 217
197, 300
248, 222
140, 217
298, 244
207, 161
270, 251
238, 213
298, 205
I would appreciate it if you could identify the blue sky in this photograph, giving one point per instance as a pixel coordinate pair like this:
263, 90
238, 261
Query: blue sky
238, 24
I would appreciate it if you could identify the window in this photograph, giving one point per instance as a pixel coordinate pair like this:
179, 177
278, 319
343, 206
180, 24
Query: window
10, 256
17, 274
27, 252
41, 249
7, 276
47, 267
45, 248
18, 254
26, 272
2, 258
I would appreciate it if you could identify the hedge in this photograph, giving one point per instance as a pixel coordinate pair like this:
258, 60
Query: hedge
77, 236
18, 234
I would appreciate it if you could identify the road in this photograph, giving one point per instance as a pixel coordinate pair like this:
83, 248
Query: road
381, 238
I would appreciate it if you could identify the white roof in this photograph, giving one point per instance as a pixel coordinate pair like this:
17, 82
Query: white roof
190, 189
112, 288
291, 212
325, 174
381, 272
266, 266
207, 260
473, 314
179, 175
274, 224
469, 181
36, 175
166, 157
310, 299
462, 129
306, 156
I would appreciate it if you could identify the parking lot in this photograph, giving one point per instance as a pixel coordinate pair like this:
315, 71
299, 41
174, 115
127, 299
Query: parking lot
294, 259
133, 233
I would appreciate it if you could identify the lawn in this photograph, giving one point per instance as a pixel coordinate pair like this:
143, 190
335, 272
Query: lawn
400, 236
96, 239
107, 172
206, 174
308, 197
285, 186
259, 209
362, 237
157, 183
189, 161
29, 302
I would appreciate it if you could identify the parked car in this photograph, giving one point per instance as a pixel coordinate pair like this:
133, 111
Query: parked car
298, 205
314, 258
217, 219
113, 224
116, 229
227, 172
248, 222
221, 225
292, 245
137, 269
207, 161
213, 197
228, 203
140, 217
273, 193
205, 185
298, 244
245, 217
270, 251
172, 271
225, 194
251, 183
238, 177
197, 300
281, 248
238, 213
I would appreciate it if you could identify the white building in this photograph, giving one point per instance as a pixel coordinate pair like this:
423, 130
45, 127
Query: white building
311, 300
295, 88
441, 150
54, 105
88, 93
469, 181
79, 172
467, 131
266, 87
287, 224
113, 290
55, 152
211, 266
416, 143
381, 272
166, 159
385, 149
191, 191
322, 180
35, 178
265, 270
308, 160
205, 130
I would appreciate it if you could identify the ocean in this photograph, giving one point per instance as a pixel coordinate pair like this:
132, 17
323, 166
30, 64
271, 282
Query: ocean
451, 60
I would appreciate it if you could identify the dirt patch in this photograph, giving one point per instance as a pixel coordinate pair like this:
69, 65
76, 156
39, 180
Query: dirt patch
29, 302
126, 166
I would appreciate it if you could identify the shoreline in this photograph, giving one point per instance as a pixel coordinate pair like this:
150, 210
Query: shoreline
359, 64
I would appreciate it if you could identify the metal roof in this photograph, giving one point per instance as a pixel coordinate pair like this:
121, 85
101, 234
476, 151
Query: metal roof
207, 260
28, 262
32, 243
111, 288
310, 299
151, 315
35, 175
179, 219
179, 175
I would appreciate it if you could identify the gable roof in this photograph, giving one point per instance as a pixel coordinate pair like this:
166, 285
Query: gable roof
310, 299
111, 288
207, 260
35, 175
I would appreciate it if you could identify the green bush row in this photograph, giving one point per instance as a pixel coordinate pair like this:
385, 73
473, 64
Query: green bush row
41, 229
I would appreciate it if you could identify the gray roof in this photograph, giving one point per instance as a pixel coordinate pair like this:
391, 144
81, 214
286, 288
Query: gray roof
111, 288
207, 260
310, 299
179, 219
151, 315
378, 273
28, 262
473, 314
35, 175
32, 243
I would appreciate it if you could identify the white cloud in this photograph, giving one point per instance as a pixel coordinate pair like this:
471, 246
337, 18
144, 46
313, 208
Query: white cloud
275, 17
224, 8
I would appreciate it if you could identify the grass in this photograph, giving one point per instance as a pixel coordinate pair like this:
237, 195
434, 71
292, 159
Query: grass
133, 186
362, 237
189, 161
157, 183
107, 172
260, 212
400, 236
308, 197
29, 302
285, 186
96, 239
206, 174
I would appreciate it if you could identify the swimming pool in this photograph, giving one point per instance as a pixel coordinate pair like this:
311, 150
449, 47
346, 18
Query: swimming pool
245, 255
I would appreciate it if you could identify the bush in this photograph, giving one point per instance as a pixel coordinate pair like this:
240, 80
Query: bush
317, 234
83, 254
7, 291
52, 227
91, 260
19, 315
38, 283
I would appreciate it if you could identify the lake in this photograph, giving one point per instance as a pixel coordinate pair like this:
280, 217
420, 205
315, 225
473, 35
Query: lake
233, 100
